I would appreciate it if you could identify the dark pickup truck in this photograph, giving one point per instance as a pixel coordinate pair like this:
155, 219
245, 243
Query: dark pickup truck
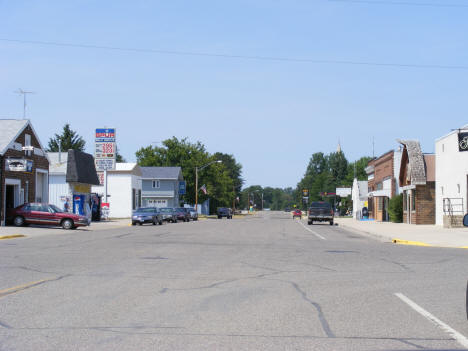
224, 212
320, 211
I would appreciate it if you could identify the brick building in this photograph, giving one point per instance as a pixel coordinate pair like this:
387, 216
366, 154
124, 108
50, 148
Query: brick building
417, 178
383, 184
24, 167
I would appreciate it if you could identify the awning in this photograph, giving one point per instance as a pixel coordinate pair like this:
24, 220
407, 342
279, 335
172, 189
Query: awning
379, 193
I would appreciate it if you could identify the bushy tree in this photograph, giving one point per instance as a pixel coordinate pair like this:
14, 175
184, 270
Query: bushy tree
395, 209
69, 139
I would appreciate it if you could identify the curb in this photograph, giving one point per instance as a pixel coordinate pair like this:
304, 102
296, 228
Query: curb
409, 242
12, 236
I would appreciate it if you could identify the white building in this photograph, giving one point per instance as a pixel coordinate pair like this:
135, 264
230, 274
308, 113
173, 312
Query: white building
123, 190
451, 175
359, 197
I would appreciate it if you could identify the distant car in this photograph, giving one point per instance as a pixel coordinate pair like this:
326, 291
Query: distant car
320, 211
182, 214
297, 213
224, 212
45, 214
287, 209
168, 214
193, 214
147, 215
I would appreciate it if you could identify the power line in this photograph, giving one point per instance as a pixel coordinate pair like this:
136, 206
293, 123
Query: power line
401, 3
242, 57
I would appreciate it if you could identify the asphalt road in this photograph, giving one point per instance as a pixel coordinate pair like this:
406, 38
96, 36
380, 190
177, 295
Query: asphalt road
260, 283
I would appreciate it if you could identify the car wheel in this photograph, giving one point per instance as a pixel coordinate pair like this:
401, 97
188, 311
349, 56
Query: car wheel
18, 221
160, 222
67, 224
309, 222
133, 223
220, 217
331, 222
140, 223
154, 222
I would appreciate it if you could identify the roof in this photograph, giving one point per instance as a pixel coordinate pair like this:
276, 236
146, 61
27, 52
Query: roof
81, 168
54, 165
10, 129
416, 165
161, 172
127, 167
465, 127
429, 160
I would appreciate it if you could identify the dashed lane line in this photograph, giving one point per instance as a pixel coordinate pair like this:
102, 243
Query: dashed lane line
310, 230
461, 339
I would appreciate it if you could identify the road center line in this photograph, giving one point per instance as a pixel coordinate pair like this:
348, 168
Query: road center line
310, 230
461, 339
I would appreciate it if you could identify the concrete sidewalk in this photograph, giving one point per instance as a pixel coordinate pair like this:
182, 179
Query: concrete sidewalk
35, 231
409, 234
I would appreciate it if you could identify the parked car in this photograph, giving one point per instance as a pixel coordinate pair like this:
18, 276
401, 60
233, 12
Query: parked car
45, 214
168, 214
320, 211
297, 213
147, 215
224, 212
193, 214
182, 214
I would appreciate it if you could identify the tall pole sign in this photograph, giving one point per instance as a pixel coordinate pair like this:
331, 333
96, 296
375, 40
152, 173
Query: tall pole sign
105, 151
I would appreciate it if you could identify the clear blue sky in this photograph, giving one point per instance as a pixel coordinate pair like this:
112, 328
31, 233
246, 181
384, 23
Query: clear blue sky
272, 115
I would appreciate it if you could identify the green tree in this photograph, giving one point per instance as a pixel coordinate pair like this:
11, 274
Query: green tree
216, 177
357, 169
338, 167
395, 209
118, 157
69, 139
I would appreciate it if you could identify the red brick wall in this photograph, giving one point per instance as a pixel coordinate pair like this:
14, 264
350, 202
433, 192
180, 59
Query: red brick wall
425, 204
38, 162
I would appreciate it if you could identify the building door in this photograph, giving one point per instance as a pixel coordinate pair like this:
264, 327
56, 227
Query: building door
10, 196
39, 187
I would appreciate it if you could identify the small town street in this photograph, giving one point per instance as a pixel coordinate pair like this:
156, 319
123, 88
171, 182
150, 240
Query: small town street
265, 282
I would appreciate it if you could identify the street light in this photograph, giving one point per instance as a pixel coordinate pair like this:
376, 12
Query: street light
196, 180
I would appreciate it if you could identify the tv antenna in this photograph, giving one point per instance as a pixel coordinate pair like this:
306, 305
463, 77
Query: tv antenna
24, 93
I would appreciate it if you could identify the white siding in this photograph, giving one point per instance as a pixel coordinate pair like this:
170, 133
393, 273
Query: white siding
58, 187
451, 171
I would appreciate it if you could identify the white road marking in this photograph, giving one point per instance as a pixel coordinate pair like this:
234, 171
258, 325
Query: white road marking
461, 339
310, 230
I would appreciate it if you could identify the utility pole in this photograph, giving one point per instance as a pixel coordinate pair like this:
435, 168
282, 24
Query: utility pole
24, 93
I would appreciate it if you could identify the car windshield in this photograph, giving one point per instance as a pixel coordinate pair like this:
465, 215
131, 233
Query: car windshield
166, 210
146, 210
320, 205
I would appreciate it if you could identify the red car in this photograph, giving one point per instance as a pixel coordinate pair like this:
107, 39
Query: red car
297, 213
45, 214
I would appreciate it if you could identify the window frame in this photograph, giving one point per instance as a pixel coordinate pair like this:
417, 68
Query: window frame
156, 184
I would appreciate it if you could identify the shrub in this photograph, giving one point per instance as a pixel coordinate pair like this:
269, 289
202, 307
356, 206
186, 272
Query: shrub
395, 209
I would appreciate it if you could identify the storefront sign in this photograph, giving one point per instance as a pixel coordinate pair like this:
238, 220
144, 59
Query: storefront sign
18, 165
104, 150
463, 141
82, 188
182, 188
103, 164
105, 135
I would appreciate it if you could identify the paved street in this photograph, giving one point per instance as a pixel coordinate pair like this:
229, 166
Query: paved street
265, 282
